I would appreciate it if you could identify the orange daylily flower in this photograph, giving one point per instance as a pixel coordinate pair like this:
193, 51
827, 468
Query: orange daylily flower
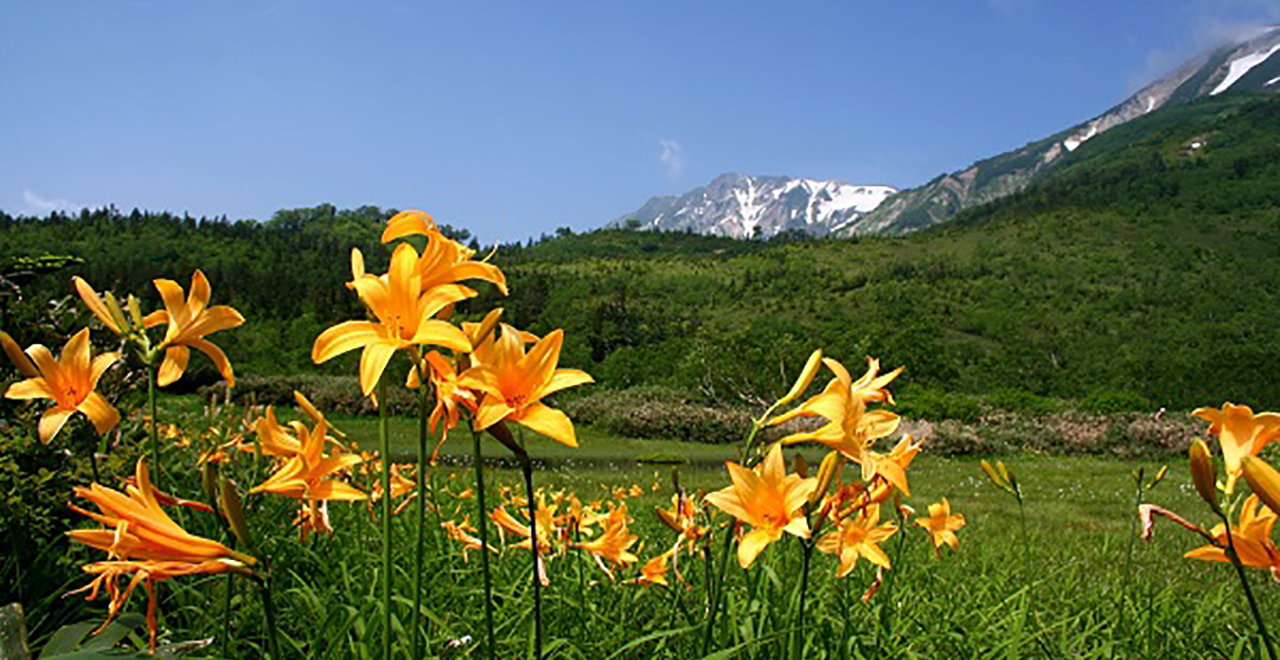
451, 397
614, 542
682, 519
859, 536
461, 532
137, 528
851, 429
548, 531
405, 317
768, 499
307, 474
274, 439
1252, 538
69, 382
514, 384
942, 525
1240, 433
307, 477
654, 571
444, 260
190, 320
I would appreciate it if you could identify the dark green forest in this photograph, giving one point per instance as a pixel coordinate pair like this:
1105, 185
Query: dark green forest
1147, 268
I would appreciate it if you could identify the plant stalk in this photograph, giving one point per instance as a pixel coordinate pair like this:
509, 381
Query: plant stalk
797, 639
384, 438
268, 607
526, 466
422, 510
1248, 591
483, 523
158, 479
714, 594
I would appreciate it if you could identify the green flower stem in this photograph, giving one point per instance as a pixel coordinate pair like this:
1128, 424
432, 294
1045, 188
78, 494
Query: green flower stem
155, 427
483, 523
226, 615
270, 609
1127, 572
1248, 591
384, 438
797, 639
714, 594
526, 466
422, 509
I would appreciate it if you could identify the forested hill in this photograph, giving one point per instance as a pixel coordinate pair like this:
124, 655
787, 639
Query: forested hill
1149, 265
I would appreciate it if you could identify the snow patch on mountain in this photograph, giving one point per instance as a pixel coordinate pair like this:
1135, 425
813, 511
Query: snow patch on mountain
742, 206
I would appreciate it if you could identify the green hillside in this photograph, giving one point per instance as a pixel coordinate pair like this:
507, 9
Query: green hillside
1145, 265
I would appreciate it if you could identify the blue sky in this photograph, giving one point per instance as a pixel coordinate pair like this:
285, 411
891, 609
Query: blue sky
517, 118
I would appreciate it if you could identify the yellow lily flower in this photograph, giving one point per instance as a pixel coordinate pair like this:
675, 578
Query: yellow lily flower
614, 542
548, 531
514, 384
768, 499
1240, 433
69, 382
404, 317
942, 525
1252, 539
306, 475
654, 571
681, 518
138, 528
190, 319
851, 428
859, 536
462, 533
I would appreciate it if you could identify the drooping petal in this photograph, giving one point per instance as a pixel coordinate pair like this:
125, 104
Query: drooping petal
751, 545
174, 364
219, 359
100, 413
51, 422
409, 223
373, 361
99, 366
549, 422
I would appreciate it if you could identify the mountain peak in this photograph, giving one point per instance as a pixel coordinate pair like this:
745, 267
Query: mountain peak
748, 206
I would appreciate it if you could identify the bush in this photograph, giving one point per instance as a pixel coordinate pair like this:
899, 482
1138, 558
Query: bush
330, 394
659, 412
934, 405
1107, 402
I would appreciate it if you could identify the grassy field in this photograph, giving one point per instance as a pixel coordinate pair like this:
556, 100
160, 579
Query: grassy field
1077, 585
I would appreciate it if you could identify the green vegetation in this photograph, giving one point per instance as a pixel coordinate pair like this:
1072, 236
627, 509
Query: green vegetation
1145, 270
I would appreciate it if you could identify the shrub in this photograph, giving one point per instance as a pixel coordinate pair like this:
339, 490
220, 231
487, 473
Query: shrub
659, 412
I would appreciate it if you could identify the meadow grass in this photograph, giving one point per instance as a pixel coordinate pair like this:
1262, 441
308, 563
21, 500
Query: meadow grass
1061, 595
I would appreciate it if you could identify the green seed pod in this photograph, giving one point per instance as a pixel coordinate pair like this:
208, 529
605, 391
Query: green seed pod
233, 509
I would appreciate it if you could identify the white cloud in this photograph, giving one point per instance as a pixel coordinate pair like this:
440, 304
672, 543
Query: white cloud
37, 205
672, 156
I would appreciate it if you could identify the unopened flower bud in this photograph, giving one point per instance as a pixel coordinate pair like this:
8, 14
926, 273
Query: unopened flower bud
832, 463
1263, 480
1202, 473
806, 377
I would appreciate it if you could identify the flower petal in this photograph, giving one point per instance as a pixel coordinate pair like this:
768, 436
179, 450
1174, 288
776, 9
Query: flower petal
219, 359
51, 422
346, 336
96, 408
32, 388
373, 361
175, 362
549, 422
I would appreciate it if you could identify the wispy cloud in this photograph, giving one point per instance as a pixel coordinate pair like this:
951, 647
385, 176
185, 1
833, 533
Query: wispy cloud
37, 205
672, 156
